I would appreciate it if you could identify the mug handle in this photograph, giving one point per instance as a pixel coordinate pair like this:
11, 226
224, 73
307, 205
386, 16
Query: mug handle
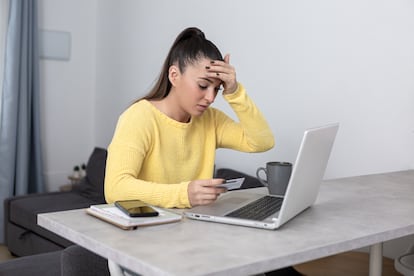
264, 182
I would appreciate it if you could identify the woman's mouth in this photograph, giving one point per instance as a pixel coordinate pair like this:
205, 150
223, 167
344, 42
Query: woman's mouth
202, 107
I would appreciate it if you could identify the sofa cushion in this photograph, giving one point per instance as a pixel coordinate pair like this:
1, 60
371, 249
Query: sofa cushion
23, 242
24, 209
92, 185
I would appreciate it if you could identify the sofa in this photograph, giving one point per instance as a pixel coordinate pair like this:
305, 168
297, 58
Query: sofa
24, 237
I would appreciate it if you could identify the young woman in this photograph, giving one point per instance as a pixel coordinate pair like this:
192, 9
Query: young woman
163, 148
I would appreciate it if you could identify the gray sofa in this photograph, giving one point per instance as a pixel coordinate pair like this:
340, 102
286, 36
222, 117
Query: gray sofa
24, 237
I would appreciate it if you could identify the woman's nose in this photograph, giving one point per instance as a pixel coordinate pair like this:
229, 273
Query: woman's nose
210, 95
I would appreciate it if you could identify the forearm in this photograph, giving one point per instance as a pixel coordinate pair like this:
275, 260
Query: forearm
252, 131
162, 195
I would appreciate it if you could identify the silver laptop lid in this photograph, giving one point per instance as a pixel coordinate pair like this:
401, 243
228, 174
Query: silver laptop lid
308, 170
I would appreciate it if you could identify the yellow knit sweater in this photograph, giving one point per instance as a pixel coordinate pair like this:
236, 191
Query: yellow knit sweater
153, 157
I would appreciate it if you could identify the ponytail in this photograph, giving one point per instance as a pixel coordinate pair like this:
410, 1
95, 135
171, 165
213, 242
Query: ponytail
190, 46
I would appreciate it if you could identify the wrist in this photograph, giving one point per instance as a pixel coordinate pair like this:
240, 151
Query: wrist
231, 90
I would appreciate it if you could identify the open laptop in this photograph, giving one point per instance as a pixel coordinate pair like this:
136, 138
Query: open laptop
302, 191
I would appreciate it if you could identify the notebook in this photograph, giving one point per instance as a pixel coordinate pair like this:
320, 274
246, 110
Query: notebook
110, 213
303, 188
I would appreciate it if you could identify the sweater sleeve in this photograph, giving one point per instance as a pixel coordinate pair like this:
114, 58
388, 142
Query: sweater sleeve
251, 133
122, 182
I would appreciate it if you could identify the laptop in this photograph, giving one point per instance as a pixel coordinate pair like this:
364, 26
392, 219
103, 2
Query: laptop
302, 191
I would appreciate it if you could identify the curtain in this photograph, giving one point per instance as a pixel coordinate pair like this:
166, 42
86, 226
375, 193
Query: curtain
20, 150
4, 11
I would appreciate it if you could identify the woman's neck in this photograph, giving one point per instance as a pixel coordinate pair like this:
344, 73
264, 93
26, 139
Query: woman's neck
170, 108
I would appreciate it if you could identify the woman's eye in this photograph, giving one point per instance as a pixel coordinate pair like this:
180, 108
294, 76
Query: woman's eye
203, 87
219, 89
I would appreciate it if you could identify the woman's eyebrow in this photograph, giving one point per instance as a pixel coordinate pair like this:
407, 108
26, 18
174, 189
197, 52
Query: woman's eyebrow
206, 79
210, 81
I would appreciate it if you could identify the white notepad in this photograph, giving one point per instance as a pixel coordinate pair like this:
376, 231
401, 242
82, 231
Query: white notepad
110, 213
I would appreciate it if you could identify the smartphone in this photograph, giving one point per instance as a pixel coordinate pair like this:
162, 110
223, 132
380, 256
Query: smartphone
136, 208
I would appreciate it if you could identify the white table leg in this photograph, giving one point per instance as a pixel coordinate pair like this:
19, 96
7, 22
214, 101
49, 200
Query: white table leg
375, 260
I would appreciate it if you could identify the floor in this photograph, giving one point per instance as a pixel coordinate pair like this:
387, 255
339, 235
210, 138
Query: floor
4, 253
345, 264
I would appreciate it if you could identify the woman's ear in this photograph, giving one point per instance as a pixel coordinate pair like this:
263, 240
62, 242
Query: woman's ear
173, 74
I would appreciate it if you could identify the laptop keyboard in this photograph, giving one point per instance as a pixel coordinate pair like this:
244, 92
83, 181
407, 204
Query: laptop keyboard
258, 209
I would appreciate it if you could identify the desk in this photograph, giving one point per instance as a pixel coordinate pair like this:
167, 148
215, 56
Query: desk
349, 213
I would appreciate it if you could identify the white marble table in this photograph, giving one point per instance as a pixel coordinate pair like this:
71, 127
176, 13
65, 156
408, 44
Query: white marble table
349, 213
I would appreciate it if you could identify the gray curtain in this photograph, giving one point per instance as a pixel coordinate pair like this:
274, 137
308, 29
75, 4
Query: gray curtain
20, 151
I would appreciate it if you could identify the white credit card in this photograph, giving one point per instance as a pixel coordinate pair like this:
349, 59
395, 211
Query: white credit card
232, 184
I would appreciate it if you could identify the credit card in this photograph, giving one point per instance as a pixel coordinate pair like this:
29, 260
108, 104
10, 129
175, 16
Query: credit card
232, 184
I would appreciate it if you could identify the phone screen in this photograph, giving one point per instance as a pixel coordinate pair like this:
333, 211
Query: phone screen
136, 208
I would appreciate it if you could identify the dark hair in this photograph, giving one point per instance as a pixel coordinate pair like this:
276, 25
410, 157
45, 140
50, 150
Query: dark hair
189, 46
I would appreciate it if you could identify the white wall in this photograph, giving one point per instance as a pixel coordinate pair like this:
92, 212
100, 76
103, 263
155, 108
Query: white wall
305, 63
350, 62
68, 89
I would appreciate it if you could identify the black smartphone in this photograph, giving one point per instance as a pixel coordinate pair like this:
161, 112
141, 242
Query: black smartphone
136, 208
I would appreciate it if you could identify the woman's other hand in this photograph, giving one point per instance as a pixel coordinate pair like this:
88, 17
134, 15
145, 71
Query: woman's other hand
224, 71
204, 191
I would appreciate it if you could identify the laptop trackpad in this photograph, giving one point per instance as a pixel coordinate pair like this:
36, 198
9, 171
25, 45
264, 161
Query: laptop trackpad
236, 200
226, 203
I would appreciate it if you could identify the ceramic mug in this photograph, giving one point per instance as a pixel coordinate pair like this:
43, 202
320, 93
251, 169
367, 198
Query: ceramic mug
277, 177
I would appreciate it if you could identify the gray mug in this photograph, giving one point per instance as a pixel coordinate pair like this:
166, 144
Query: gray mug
277, 177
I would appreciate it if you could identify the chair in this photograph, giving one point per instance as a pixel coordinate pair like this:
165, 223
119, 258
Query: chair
405, 263
73, 260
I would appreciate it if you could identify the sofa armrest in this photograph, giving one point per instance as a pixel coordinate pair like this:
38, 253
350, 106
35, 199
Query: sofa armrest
6, 218
6, 205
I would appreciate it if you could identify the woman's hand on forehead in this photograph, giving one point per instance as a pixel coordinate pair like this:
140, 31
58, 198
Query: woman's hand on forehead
225, 72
